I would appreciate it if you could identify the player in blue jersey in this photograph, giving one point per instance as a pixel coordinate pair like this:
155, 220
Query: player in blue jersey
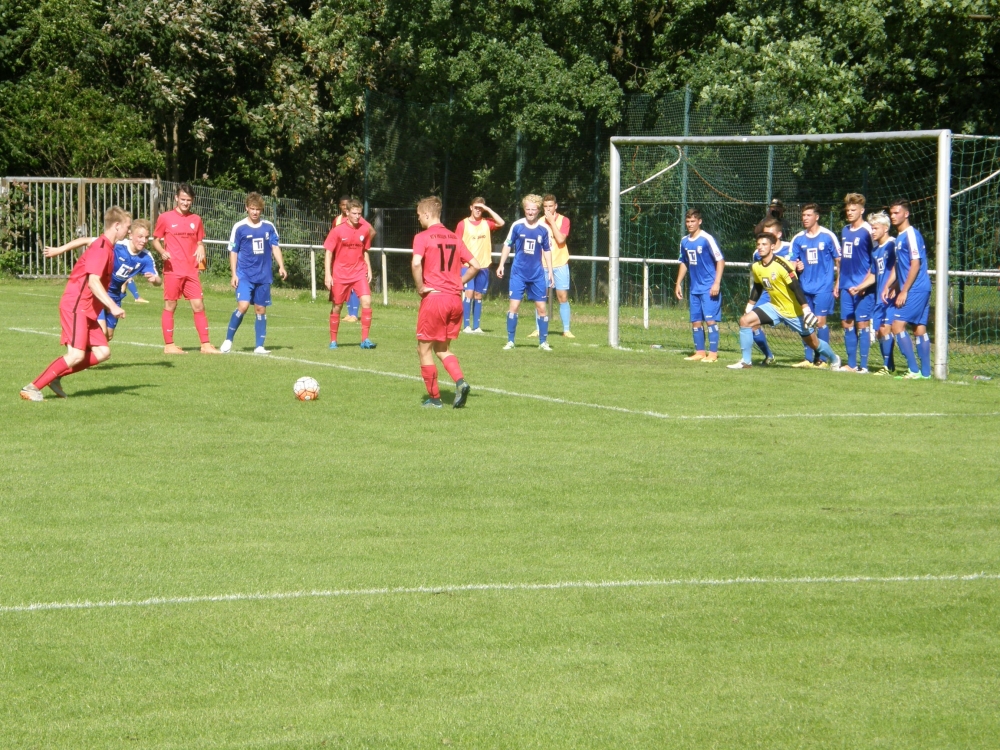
909, 290
252, 243
855, 263
130, 260
531, 271
883, 261
816, 253
701, 257
773, 226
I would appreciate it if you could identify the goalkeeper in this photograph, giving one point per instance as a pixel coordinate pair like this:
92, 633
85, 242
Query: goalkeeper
787, 305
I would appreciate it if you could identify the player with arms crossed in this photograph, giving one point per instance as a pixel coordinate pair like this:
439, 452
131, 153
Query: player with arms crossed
83, 300
252, 243
909, 289
701, 257
475, 233
438, 274
532, 267
131, 259
348, 268
178, 237
856, 309
816, 252
787, 304
883, 261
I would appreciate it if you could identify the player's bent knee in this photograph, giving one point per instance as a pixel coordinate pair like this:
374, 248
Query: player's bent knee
101, 353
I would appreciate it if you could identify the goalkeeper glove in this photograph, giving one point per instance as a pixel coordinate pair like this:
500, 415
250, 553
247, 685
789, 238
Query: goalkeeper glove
749, 308
808, 318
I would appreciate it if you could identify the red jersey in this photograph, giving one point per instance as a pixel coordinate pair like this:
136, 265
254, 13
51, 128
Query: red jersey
348, 245
98, 259
181, 234
444, 253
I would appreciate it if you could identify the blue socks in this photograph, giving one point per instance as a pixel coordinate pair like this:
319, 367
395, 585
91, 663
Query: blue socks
851, 344
906, 349
760, 339
234, 324
885, 345
477, 312
564, 315
543, 329
511, 326
353, 304
713, 337
746, 344
466, 311
699, 338
864, 346
924, 352
260, 328
132, 288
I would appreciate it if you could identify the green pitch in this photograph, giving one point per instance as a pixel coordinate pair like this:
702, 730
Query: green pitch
189, 479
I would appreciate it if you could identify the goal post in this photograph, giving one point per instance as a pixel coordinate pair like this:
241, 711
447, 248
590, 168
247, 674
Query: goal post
738, 155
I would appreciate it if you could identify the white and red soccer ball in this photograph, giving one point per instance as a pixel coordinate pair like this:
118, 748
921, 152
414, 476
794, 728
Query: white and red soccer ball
306, 389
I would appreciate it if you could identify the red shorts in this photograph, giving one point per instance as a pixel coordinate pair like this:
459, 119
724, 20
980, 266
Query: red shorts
177, 287
440, 317
341, 291
79, 331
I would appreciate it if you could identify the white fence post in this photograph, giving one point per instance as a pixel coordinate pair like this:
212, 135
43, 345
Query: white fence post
941, 281
312, 272
645, 294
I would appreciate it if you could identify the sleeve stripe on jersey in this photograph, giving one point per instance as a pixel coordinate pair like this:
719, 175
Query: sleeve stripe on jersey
716, 252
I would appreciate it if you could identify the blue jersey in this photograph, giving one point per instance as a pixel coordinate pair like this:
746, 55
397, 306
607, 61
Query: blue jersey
856, 252
128, 265
883, 259
700, 256
910, 248
253, 246
528, 244
819, 255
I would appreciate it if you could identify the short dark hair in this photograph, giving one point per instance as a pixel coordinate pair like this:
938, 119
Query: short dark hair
343, 198
814, 207
902, 203
184, 188
692, 213
549, 197
767, 236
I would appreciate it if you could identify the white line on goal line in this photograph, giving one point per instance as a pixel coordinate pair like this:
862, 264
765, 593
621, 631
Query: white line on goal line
586, 404
474, 587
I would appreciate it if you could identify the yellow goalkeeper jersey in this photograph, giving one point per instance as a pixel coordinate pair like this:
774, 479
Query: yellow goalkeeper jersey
777, 277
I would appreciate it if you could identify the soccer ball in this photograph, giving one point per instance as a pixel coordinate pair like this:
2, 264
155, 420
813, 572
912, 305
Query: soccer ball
306, 389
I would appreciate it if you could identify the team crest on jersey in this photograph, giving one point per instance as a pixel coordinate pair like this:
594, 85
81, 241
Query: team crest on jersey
361, 238
822, 246
192, 225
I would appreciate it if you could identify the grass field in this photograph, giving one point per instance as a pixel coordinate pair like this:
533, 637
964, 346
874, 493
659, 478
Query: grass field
785, 555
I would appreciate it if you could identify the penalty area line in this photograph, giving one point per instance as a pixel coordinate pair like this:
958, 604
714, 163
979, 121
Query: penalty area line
582, 404
489, 587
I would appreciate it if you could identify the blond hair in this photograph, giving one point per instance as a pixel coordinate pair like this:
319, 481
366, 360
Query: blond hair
142, 224
430, 206
854, 199
531, 198
116, 215
255, 200
879, 217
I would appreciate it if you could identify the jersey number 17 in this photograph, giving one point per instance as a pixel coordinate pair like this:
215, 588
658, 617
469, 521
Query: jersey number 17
446, 264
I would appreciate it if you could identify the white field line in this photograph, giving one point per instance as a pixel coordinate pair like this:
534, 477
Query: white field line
585, 404
487, 587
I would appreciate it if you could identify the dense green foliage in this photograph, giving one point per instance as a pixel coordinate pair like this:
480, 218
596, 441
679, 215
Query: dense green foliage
271, 94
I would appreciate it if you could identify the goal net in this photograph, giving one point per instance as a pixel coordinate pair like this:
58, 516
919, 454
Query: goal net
951, 181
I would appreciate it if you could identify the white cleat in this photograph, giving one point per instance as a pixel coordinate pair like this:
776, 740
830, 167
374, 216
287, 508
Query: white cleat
509, 345
226, 347
544, 346
468, 329
56, 387
261, 350
478, 330
835, 365
31, 393
862, 371
741, 365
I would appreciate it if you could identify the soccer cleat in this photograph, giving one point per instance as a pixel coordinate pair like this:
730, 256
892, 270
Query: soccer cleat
351, 319
31, 393
568, 335
478, 330
835, 365
173, 349
208, 349
862, 371
461, 394
710, 359
768, 361
432, 403
544, 346
333, 344
509, 345
141, 301
910, 375
56, 387
821, 365
468, 329
885, 371
227, 345
696, 357
804, 365
261, 350
741, 365
533, 334
368, 344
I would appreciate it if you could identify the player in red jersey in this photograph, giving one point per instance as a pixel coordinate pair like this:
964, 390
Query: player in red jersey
347, 268
184, 255
353, 303
439, 283
82, 302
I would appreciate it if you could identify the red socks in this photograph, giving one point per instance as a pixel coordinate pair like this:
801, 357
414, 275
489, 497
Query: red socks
335, 325
89, 361
201, 323
454, 369
430, 375
57, 369
167, 324
366, 322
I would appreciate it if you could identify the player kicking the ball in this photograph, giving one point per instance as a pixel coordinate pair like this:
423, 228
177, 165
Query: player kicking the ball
347, 267
531, 269
252, 243
82, 302
787, 304
439, 283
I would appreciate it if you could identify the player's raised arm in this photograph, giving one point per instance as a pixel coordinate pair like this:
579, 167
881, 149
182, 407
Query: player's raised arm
52, 252
493, 214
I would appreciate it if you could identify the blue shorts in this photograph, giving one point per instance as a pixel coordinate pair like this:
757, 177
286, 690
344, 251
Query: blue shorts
820, 303
881, 314
706, 307
256, 294
110, 320
796, 324
561, 275
916, 310
480, 282
859, 309
534, 288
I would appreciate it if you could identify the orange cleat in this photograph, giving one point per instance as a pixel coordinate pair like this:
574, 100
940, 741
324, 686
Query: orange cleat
173, 349
209, 349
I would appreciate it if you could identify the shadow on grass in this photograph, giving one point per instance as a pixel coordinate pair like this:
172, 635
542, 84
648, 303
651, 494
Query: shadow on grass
119, 365
113, 390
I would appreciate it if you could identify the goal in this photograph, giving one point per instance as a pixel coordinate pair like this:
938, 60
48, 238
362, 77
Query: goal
952, 182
